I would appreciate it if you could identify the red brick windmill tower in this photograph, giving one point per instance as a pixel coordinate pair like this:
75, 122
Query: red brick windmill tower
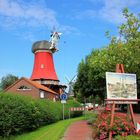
43, 70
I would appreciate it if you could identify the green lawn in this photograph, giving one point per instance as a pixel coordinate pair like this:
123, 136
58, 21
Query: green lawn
50, 132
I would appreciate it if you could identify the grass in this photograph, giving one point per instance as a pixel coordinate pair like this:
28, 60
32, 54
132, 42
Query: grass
130, 137
50, 132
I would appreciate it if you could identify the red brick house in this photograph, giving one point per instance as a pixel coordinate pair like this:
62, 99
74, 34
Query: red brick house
31, 88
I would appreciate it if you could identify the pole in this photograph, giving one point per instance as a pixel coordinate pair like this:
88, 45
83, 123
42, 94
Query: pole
69, 113
63, 112
112, 119
132, 114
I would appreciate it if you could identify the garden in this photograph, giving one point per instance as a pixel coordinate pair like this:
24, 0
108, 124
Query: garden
122, 128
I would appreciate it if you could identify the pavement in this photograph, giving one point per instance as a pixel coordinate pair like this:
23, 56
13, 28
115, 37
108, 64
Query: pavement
137, 117
79, 130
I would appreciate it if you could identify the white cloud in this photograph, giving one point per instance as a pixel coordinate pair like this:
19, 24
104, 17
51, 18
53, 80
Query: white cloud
109, 10
28, 19
112, 9
14, 13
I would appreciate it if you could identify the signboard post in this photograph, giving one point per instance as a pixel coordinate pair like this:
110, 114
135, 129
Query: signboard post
63, 98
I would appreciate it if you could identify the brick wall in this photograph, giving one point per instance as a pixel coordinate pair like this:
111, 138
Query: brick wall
32, 91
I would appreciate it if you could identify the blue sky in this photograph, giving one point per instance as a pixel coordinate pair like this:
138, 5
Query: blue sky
82, 22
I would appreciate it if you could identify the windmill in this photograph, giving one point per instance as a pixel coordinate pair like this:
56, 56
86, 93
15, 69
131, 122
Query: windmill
54, 38
70, 85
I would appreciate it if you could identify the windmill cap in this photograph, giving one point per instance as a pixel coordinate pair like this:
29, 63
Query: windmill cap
41, 45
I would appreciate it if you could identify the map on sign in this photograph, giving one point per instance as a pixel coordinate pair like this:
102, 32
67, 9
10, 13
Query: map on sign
63, 96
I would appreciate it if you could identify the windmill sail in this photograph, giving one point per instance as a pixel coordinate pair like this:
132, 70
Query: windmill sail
70, 84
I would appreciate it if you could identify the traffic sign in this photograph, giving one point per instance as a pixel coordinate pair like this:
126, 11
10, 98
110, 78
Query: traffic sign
63, 96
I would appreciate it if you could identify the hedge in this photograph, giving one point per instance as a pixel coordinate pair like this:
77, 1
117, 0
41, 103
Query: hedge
20, 114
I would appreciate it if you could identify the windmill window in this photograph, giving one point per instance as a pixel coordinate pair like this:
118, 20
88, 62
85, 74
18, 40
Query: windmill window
23, 88
42, 66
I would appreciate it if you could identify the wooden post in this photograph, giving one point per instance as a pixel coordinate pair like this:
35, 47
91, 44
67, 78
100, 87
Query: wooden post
112, 120
120, 69
131, 113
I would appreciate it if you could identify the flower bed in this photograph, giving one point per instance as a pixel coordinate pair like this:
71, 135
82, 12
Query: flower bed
122, 126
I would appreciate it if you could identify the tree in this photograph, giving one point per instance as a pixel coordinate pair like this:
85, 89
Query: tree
8, 80
81, 82
123, 50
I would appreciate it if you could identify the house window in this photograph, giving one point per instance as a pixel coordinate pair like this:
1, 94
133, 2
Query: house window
42, 95
23, 88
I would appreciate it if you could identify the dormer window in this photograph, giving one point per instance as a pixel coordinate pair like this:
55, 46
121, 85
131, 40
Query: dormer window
23, 88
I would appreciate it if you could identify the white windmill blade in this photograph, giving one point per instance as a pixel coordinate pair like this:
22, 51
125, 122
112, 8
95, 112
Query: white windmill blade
73, 78
59, 33
67, 78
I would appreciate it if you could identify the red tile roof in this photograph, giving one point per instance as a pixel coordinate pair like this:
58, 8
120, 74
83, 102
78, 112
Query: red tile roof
35, 84
39, 86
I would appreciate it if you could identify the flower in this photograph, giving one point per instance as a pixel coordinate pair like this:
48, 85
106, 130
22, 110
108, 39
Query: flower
122, 125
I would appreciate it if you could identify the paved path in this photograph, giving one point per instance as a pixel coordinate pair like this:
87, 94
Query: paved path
81, 131
137, 117
78, 131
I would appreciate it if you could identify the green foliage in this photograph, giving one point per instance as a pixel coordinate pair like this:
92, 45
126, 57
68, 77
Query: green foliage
123, 50
72, 103
90, 116
81, 84
7, 80
130, 137
20, 114
53, 131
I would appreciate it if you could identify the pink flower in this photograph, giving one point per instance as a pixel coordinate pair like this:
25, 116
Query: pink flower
113, 132
119, 128
126, 128
124, 133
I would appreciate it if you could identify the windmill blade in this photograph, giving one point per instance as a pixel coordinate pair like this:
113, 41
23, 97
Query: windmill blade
59, 33
73, 78
67, 79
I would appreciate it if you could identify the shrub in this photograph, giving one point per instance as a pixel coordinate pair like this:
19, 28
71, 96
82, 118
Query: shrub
90, 116
121, 126
21, 113
69, 104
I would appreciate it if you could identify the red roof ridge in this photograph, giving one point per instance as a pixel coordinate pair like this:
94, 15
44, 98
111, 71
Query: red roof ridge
35, 84
39, 86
